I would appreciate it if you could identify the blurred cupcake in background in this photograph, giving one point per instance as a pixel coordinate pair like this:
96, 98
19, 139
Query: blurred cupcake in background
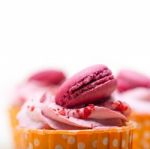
82, 115
134, 88
36, 85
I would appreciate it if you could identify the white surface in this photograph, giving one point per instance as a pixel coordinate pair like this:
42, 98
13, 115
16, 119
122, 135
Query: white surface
70, 35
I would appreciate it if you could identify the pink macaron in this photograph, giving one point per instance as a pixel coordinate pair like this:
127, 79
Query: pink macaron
48, 77
128, 79
93, 84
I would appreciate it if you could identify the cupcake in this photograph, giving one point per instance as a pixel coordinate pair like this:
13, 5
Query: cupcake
37, 84
82, 115
134, 88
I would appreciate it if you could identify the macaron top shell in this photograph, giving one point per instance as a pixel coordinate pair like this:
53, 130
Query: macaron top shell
48, 77
90, 85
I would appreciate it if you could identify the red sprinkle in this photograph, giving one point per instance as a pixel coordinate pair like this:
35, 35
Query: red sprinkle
32, 108
23, 99
73, 113
91, 106
46, 126
87, 111
43, 98
121, 107
62, 112
78, 111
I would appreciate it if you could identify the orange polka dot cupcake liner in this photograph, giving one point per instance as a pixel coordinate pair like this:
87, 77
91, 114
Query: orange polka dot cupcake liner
12, 113
112, 138
141, 137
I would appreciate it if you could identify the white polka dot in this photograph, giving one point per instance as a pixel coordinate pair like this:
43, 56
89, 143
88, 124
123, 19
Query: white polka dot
135, 136
58, 147
64, 136
115, 143
123, 143
119, 130
36, 142
94, 144
81, 145
71, 140
139, 126
127, 133
145, 145
105, 141
147, 123
25, 136
147, 134
30, 146
131, 138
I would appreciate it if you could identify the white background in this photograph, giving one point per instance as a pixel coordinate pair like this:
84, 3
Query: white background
69, 35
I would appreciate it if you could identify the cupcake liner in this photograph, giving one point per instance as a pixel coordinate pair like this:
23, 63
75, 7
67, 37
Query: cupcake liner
13, 111
112, 138
141, 137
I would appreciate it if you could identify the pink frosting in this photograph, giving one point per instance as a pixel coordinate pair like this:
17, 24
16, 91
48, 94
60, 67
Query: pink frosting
44, 112
138, 98
30, 89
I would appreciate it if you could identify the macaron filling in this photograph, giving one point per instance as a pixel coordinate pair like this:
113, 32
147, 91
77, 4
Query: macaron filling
88, 83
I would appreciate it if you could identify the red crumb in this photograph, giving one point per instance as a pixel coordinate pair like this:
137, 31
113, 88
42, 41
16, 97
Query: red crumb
77, 110
43, 98
86, 111
32, 108
73, 113
62, 112
91, 106
46, 126
121, 107
23, 99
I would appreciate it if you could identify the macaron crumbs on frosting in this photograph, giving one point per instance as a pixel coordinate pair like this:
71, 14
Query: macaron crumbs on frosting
82, 101
82, 115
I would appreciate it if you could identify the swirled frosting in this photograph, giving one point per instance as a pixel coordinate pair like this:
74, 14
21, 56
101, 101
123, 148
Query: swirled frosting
134, 88
138, 98
45, 113
24, 91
